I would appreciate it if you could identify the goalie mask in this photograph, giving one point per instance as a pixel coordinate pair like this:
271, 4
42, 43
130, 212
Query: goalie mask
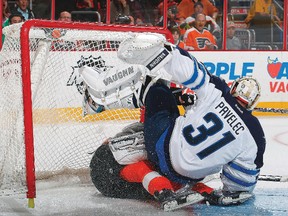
247, 90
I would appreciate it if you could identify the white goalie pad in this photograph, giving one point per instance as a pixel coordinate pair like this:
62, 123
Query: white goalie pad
114, 88
128, 149
145, 49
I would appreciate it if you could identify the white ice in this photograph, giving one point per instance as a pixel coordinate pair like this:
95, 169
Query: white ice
65, 196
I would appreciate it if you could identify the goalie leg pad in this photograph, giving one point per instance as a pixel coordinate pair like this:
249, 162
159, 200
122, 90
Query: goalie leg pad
116, 87
128, 149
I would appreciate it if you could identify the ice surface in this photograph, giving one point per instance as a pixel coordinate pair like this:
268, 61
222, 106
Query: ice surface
68, 197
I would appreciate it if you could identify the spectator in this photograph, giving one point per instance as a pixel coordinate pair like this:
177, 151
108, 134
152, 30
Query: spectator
67, 5
84, 4
260, 11
199, 38
160, 7
22, 6
43, 8
56, 33
171, 16
15, 17
125, 20
65, 16
260, 17
86, 8
177, 37
141, 10
232, 42
119, 8
211, 24
186, 8
5, 11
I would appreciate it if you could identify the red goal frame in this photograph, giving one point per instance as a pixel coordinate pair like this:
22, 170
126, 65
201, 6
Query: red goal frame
26, 82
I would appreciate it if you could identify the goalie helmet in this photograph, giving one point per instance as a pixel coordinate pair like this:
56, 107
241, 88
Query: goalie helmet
247, 90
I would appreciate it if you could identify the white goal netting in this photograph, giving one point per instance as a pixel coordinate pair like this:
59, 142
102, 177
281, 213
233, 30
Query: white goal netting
63, 138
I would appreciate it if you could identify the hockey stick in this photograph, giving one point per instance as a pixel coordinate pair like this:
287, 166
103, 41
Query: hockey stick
273, 178
272, 110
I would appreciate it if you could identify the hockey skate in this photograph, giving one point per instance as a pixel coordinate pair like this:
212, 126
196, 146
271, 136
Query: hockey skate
217, 197
235, 198
171, 201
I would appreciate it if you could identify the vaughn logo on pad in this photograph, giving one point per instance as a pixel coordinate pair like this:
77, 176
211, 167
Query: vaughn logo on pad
118, 75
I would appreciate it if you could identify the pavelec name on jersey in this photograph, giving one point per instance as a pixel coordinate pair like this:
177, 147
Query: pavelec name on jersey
229, 115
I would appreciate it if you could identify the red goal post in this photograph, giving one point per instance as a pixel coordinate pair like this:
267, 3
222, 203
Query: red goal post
38, 79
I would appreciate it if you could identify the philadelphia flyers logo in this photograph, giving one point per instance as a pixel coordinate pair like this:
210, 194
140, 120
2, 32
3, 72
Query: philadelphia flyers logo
201, 42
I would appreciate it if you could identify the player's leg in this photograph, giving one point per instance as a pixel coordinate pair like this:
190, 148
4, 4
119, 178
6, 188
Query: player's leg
143, 172
105, 175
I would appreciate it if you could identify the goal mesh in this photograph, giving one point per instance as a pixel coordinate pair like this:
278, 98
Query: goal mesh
63, 137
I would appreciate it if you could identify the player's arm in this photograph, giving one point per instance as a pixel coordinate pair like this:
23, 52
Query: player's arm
154, 52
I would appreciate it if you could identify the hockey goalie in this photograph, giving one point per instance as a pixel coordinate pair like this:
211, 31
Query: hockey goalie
126, 86
219, 134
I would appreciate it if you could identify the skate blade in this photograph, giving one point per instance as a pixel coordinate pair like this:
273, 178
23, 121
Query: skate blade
180, 203
242, 198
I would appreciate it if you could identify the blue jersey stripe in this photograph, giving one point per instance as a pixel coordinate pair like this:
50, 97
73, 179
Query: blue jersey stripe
243, 170
164, 163
203, 78
193, 78
238, 181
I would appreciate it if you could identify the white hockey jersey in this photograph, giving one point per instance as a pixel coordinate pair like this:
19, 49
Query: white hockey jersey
218, 134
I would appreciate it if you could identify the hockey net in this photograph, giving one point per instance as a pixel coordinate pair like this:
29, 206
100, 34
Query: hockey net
43, 131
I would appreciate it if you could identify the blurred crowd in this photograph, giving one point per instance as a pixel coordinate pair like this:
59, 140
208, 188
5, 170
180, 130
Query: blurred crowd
195, 24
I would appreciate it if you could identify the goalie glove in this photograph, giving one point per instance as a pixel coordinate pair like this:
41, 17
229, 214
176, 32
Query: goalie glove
149, 49
185, 97
188, 97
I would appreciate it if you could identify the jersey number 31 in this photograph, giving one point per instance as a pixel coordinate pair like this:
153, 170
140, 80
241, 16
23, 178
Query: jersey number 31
204, 133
